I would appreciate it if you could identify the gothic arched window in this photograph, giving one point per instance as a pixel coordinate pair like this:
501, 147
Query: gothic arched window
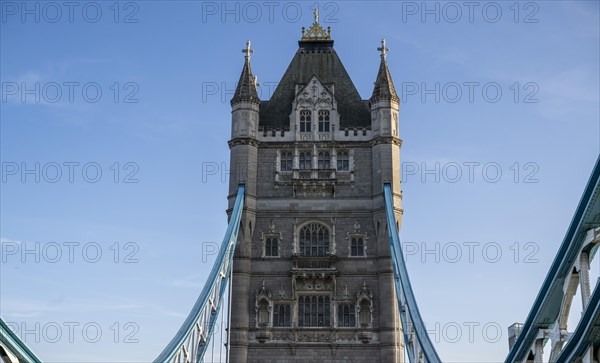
314, 240
343, 161
323, 121
286, 161
271, 247
357, 246
305, 121
305, 160
324, 160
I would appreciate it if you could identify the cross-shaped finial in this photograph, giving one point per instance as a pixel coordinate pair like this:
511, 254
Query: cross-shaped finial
383, 49
247, 50
316, 15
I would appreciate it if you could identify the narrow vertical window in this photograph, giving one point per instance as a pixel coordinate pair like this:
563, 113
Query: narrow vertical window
305, 121
323, 121
286, 161
281, 315
343, 161
271, 247
357, 246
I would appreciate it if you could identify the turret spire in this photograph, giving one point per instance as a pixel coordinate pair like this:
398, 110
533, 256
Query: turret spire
384, 87
246, 87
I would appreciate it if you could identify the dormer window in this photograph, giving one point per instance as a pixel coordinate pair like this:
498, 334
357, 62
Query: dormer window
305, 121
323, 121
324, 160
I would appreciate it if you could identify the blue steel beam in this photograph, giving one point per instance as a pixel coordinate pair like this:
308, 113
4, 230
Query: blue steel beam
407, 302
191, 341
546, 307
12, 344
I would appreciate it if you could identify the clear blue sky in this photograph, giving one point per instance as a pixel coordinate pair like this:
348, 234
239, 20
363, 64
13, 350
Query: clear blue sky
180, 61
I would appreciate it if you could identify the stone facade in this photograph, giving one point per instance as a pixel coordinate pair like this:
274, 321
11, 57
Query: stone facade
312, 273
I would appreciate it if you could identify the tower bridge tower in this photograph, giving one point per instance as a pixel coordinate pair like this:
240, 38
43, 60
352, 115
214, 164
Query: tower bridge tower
312, 272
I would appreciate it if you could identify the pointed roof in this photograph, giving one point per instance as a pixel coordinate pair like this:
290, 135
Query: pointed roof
246, 87
315, 56
384, 87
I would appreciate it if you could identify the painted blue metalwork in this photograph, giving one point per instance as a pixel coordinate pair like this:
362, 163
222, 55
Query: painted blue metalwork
547, 304
191, 341
407, 304
12, 344
587, 330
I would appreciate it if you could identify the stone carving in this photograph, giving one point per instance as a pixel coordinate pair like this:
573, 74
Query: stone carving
281, 292
346, 295
315, 337
315, 96
313, 284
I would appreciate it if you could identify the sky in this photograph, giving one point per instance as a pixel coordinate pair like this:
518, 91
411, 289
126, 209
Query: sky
114, 123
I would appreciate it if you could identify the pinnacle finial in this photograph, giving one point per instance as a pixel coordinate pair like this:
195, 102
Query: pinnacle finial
316, 31
247, 50
383, 49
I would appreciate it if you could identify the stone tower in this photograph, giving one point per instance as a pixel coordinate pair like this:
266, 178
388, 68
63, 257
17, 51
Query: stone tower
312, 273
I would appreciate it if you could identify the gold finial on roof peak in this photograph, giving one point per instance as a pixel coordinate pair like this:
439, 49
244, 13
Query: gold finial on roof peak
316, 31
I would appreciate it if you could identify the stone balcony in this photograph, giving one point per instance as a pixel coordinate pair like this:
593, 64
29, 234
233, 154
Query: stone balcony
313, 263
313, 174
314, 182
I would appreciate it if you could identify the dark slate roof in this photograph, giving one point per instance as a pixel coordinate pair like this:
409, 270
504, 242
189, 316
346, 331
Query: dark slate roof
246, 88
384, 87
320, 59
